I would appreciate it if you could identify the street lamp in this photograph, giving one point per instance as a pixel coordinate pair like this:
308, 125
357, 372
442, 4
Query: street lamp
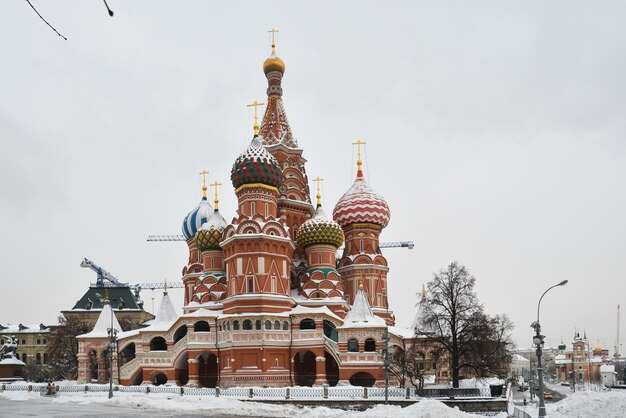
538, 341
112, 333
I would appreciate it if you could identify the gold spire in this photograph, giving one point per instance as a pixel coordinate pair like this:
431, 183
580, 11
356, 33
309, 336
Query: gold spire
255, 104
361, 282
318, 180
423, 291
273, 32
359, 163
203, 173
106, 296
216, 201
165, 287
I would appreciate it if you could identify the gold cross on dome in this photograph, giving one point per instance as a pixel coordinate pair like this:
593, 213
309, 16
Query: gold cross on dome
255, 104
358, 144
273, 32
318, 180
204, 173
215, 185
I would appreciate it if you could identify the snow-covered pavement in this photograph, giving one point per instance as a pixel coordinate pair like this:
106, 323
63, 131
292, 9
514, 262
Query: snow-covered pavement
135, 404
586, 404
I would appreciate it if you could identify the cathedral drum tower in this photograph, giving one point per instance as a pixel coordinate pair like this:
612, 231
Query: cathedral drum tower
363, 213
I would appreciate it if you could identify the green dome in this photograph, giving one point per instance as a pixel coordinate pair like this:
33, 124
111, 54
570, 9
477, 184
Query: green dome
320, 230
210, 235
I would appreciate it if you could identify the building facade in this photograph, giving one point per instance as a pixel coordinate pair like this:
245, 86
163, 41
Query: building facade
267, 300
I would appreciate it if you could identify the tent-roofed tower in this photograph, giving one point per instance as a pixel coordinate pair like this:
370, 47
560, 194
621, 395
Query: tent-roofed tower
294, 202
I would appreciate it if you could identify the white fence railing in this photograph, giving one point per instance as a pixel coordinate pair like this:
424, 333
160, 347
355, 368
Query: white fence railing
298, 392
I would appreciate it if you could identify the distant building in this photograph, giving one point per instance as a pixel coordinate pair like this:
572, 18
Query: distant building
32, 341
579, 364
608, 375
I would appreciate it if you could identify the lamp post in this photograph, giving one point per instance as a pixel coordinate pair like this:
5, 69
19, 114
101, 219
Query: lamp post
112, 333
538, 341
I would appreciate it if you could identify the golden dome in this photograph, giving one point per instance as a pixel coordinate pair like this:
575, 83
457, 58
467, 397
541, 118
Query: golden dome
273, 63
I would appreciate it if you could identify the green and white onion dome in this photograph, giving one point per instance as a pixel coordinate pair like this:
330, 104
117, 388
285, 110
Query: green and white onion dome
256, 165
320, 230
210, 235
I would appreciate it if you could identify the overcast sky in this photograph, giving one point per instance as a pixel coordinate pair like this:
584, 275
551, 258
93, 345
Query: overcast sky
495, 130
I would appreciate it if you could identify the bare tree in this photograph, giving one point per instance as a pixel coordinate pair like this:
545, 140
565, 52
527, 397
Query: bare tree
452, 315
63, 348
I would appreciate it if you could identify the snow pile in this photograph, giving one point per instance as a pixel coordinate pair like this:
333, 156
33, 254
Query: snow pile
587, 404
423, 409
481, 382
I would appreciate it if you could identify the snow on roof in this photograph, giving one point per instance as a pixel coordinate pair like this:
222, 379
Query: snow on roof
166, 316
299, 310
360, 314
402, 332
106, 318
202, 313
517, 357
21, 328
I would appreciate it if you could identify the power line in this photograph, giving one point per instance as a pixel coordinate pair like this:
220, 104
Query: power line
45, 21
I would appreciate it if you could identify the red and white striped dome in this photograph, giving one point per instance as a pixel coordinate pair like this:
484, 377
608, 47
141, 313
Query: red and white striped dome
361, 204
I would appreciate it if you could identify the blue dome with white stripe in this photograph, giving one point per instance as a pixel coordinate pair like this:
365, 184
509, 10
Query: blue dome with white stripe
196, 218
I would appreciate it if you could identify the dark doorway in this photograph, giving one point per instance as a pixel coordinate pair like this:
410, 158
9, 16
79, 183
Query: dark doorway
207, 370
304, 368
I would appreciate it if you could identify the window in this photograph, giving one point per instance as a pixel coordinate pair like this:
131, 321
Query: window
370, 345
201, 326
250, 285
236, 325
275, 362
285, 326
307, 324
45, 358
252, 208
353, 346
23, 342
24, 357
267, 210
319, 258
268, 324
247, 325
361, 246
276, 325
38, 341
38, 359
44, 341
257, 324
158, 344
273, 284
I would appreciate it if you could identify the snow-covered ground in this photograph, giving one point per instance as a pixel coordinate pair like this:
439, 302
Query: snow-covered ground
586, 404
138, 404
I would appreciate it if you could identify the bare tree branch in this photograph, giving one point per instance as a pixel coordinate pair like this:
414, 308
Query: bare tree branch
45, 21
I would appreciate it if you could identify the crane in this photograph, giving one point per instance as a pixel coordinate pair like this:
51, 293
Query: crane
165, 238
102, 273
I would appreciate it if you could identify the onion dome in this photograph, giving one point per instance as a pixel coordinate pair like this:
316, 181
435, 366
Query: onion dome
210, 235
256, 165
562, 346
361, 204
197, 217
273, 63
320, 230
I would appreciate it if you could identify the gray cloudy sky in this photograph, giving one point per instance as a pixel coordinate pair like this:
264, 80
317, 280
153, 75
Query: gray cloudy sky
495, 131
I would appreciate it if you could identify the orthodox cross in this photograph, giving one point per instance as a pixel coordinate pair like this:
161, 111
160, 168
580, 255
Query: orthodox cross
255, 104
203, 173
215, 185
318, 180
358, 144
273, 32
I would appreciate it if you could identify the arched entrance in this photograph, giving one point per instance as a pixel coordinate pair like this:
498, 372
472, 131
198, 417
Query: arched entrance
332, 369
207, 370
362, 379
181, 369
127, 354
93, 365
159, 379
304, 368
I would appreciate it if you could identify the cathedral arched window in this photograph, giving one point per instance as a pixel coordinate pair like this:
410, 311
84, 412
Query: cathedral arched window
307, 323
247, 325
370, 345
257, 324
201, 326
285, 326
236, 325
158, 344
277, 325
268, 324
38, 359
353, 346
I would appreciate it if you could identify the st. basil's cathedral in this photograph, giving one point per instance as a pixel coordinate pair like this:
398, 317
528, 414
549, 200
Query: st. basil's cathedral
266, 301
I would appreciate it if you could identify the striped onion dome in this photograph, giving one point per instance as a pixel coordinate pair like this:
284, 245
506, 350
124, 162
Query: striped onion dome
361, 204
320, 230
256, 165
196, 218
210, 235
